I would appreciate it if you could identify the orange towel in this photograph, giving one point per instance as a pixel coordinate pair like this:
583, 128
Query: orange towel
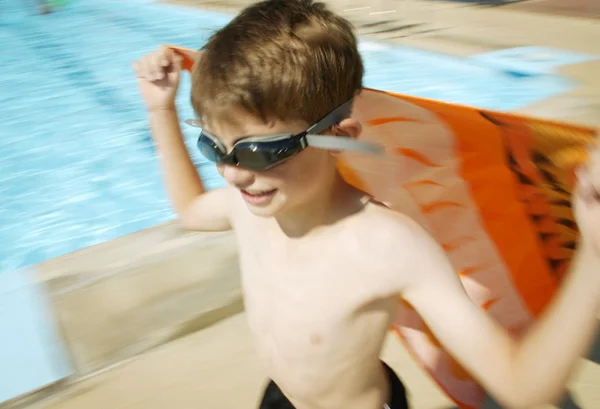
493, 188
188, 56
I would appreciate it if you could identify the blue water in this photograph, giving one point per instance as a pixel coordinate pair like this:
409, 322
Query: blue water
77, 166
531, 60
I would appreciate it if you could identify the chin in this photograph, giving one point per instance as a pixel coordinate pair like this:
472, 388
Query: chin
262, 212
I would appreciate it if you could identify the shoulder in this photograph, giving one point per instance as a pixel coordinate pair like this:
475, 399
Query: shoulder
385, 244
391, 229
400, 248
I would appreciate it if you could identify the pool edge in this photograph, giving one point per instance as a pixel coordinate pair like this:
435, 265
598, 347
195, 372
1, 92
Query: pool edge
122, 298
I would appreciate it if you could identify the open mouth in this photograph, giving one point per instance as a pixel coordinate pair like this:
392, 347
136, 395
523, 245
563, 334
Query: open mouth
258, 197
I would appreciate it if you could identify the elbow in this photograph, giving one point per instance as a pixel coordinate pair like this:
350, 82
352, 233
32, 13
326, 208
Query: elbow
517, 404
513, 405
186, 220
188, 215
187, 223
526, 403
550, 398
525, 398
515, 401
525, 389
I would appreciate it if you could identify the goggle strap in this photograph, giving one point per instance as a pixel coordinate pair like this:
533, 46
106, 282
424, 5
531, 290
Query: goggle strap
340, 143
193, 122
333, 118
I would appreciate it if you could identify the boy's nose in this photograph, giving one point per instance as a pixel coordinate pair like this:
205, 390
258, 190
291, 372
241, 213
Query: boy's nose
236, 176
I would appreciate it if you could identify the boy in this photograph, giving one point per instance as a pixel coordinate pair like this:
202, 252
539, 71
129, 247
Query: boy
318, 257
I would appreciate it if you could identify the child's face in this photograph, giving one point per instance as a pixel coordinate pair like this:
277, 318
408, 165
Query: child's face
286, 186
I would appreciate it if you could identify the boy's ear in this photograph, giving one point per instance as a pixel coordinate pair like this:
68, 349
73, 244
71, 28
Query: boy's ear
350, 128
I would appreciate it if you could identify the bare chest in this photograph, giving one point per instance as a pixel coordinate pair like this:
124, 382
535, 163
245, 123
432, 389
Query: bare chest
310, 307
308, 288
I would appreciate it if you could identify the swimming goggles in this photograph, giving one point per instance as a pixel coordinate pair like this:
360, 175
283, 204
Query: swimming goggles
264, 152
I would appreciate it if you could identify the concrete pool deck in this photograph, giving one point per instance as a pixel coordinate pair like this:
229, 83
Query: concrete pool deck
462, 30
155, 320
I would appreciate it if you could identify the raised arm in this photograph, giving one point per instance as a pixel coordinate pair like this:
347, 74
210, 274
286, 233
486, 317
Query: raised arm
197, 209
519, 374
158, 78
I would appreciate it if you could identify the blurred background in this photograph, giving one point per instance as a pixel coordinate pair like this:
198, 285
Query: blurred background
103, 300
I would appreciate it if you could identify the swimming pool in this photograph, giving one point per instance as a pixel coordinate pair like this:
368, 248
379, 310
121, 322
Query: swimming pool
77, 166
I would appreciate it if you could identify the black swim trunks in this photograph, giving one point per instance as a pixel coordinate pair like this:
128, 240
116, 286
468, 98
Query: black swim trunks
273, 398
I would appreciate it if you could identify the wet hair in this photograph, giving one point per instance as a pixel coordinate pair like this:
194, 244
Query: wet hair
278, 59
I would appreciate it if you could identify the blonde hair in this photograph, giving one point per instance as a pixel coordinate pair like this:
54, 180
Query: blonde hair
278, 59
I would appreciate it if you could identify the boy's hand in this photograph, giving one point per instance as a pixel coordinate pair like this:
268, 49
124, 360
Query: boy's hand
586, 202
158, 76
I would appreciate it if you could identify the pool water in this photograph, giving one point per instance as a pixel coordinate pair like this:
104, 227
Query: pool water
77, 166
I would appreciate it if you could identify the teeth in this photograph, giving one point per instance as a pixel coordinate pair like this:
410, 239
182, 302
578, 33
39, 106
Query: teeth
258, 193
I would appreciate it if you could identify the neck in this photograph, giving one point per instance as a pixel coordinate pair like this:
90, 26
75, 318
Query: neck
334, 201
